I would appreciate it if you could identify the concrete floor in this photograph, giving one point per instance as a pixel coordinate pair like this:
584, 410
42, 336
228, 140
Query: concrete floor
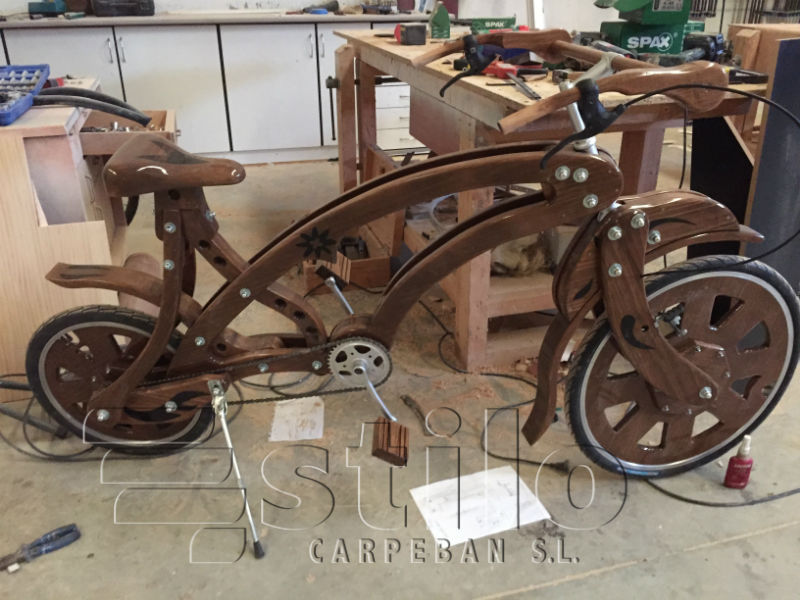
660, 547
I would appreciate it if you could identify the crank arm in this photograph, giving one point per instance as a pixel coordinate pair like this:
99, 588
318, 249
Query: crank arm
623, 246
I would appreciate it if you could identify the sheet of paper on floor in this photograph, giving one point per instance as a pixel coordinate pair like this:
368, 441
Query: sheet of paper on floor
298, 419
488, 505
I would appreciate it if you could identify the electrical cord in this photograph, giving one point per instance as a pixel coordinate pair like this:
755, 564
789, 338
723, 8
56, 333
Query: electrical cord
40, 454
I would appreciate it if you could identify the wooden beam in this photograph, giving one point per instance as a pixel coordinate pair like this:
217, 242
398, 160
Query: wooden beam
346, 117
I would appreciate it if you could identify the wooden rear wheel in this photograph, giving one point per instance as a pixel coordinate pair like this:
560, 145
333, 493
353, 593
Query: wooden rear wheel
738, 323
81, 351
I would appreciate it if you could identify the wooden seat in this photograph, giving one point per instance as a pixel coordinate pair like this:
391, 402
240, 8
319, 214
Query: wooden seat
149, 163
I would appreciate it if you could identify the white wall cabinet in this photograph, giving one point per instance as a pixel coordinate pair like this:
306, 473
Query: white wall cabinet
79, 52
177, 67
271, 77
327, 43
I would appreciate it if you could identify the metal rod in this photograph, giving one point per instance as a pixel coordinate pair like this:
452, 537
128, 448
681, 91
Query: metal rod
221, 409
331, 283
361, 369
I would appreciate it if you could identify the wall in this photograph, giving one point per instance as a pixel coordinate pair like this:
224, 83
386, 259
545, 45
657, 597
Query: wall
15, 6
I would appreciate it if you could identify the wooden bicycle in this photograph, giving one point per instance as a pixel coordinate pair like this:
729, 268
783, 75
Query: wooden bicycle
678, 367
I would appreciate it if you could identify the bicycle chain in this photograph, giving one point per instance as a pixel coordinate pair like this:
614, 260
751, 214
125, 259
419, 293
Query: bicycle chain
256, 362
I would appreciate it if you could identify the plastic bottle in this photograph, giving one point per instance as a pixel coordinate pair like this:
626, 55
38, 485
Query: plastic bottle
739, 466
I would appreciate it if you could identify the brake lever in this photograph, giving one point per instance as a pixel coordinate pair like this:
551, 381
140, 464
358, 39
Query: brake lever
596, 118
476, 60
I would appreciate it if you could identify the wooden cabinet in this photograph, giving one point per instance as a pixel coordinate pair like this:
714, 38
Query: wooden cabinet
81, 52
327, 43
272, 82
177, 67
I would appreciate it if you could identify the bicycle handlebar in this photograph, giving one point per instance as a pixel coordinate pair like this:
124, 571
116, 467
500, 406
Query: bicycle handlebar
635, 77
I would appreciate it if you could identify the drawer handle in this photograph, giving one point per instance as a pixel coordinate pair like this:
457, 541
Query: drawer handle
110, 51
322, 45
310, 43
122, 50
404, 118
404, 96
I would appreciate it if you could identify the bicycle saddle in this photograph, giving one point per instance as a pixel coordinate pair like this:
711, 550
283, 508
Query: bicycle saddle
149, 163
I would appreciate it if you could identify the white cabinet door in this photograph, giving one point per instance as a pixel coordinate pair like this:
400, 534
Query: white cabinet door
84, 51
271, 77
177, 67
327, 43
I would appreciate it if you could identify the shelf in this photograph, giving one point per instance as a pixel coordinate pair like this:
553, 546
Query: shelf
507, 295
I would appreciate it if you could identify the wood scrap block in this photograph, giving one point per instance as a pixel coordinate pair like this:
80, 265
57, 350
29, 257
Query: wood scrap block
390, 442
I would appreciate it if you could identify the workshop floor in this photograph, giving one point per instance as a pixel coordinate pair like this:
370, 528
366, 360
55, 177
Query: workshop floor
658, 546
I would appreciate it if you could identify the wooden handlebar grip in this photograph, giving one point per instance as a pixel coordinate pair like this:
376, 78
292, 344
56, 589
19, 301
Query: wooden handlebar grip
632, 83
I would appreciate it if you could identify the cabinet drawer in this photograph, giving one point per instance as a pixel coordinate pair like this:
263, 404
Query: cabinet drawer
104, 143
392, 118
391, 139
392, 96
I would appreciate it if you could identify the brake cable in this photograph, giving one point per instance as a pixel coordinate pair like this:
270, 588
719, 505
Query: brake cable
598, 119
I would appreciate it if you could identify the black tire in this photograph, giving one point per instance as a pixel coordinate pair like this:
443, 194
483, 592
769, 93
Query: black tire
600, 334
140, 323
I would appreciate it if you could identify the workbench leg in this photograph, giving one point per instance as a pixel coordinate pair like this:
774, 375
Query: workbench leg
346, 117
640, 159
473, 279
367, 135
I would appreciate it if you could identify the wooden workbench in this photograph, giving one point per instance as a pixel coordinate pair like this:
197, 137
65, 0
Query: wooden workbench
465, 119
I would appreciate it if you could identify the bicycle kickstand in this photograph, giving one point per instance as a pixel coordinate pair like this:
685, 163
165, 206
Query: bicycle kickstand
220, 406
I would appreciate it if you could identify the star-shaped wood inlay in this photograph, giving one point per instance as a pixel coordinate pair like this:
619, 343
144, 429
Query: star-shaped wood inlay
316, 243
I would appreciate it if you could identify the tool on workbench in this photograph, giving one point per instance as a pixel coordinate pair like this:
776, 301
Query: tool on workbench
58, 538
47, 8
411, 34
440, 22
18, 86
504, 70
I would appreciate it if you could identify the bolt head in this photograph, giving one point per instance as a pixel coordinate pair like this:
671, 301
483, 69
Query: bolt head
199, 341
103, 415
263, 367
580, 175
244, 293
706, 393
170, 406
316, 365
590, 201
638, 221
563, 172
654, 237
169, 227
615, 270
721, 354
698, 349
168, 265
614, 233
666, 408
210, 214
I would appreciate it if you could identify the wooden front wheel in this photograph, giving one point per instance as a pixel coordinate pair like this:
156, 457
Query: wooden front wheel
738, 323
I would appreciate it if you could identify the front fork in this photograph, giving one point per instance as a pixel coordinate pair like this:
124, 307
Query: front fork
605, 264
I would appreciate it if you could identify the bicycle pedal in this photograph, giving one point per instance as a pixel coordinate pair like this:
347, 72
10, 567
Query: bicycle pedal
390, 442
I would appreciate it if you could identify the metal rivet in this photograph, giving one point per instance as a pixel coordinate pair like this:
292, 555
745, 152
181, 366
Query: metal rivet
170, 406
169, 227
563, 172
168, 265
103, 415
199, 341
698, 349
706, 393
654, 237
721, 354
615, 233
210, 214
666, 408
316, 365
263, 367
244, 292
638, 221
580, 175
615, 270
590, 201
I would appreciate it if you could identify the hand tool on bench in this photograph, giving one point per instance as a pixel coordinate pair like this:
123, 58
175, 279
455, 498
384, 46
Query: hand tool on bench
58, 538
503, 70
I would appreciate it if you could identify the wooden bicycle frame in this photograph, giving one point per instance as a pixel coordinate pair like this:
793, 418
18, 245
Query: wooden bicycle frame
584, 278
